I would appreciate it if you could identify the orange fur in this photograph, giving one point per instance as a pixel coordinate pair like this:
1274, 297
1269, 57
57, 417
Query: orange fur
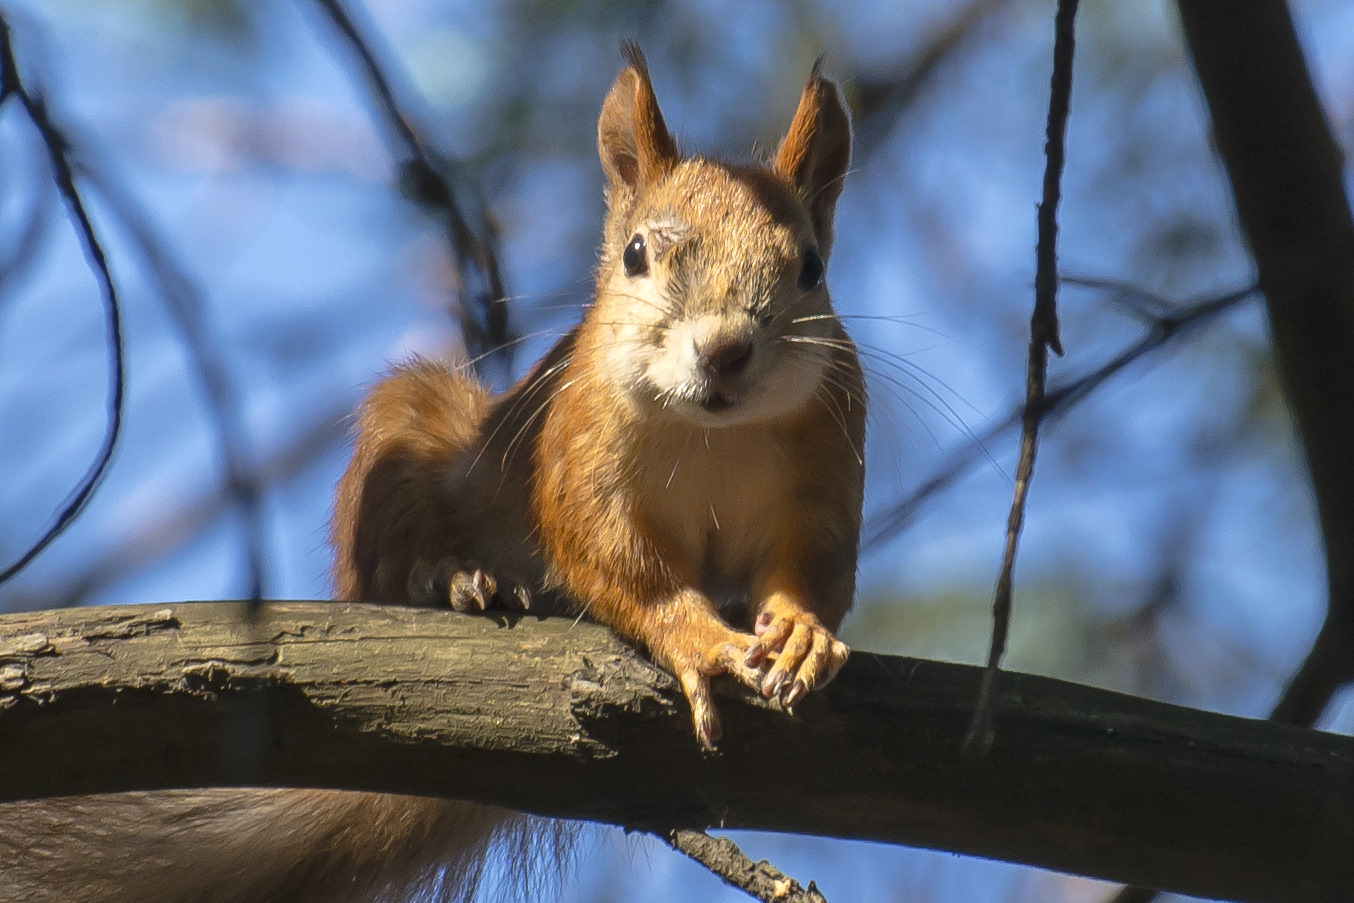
697, 436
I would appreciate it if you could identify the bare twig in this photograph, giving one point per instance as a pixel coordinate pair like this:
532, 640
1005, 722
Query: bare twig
759, 880
186, 304
1136, 300
1182, 321
192, 513
429, 176
1043, 337
63, 173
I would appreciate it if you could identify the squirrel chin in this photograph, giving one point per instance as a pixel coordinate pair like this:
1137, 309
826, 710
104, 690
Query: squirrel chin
722, 409
771, 396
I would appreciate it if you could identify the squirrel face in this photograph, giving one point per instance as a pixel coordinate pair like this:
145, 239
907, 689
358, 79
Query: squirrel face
715, 308
711, 306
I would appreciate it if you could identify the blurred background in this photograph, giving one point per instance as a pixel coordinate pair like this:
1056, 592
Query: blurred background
274, 256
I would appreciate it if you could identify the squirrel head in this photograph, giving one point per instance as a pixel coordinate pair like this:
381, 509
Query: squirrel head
712, 303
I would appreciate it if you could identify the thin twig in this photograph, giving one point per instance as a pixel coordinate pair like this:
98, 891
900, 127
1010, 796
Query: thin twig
1182, 321
427, 175
1043, 337
63, 173
759, 880
186, 304
192, 514
1135, 299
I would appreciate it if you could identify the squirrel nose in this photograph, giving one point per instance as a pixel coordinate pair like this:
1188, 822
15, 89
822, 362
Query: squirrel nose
727, 358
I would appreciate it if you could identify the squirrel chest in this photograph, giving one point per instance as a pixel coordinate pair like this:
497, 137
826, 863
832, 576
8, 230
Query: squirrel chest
719, 499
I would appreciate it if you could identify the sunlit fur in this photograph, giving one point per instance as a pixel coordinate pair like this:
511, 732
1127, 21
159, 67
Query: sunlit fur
653, 326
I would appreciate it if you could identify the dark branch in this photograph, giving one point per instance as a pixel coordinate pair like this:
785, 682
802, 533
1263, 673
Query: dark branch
1135, 895
1287, 176
63, 173
1286, 172
104, 700
187, 310
181, 524
429, 176
1179, 322
1043, 338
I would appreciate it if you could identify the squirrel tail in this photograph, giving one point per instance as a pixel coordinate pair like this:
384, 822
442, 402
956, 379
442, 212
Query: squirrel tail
266, 846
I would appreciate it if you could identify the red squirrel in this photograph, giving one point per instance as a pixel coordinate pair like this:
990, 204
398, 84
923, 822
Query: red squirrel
684, 466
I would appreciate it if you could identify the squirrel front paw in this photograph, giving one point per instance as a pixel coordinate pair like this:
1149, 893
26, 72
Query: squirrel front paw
790, 653
465, 587
806, 654
694, 668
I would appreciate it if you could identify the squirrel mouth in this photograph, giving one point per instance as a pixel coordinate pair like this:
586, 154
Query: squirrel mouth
716, 402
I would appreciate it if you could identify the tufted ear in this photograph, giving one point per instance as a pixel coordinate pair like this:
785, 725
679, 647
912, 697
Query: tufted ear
632, 138
816, 152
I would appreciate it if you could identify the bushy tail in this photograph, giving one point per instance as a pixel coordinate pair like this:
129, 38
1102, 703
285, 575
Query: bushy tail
258, 846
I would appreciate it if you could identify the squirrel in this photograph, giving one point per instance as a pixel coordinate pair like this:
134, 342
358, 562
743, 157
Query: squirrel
684, 466
688, 457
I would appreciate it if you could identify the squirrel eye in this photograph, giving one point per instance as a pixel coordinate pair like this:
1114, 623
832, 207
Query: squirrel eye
635, 258
811, 270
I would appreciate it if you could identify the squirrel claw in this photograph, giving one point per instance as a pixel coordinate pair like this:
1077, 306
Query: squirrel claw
522, 594
774, 682
696, 688
465, 587
729, 655
807, 655
471, 590
733, 661
756, 654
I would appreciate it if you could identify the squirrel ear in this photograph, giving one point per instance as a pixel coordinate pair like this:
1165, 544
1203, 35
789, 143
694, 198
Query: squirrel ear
816, 152
631, 136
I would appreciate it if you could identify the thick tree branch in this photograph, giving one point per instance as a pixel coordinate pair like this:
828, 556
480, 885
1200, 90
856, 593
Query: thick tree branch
566, 720
1286, 173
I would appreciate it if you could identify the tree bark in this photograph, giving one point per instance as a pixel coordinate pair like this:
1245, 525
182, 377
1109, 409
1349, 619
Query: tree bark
563, 719
1286, 173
